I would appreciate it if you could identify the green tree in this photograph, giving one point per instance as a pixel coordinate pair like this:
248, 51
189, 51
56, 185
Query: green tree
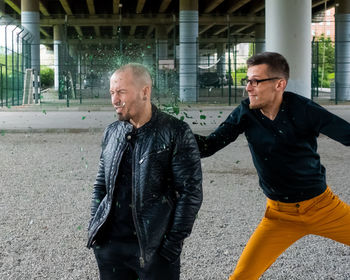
326, 60
46, 76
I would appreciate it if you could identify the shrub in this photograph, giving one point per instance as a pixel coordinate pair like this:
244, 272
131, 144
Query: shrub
46, 76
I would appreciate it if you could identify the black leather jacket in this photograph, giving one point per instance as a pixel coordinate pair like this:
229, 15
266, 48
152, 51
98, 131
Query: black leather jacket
166, 183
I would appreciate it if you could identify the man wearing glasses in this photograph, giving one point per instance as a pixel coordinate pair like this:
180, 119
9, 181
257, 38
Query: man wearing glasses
281, 129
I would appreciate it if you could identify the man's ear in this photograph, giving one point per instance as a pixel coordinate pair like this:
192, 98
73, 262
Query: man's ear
146, 92
281, 85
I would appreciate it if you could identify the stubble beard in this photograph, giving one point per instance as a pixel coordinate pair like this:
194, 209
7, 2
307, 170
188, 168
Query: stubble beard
122, 117
257, 105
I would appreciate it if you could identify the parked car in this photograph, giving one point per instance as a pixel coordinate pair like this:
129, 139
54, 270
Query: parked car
227, 79
92, 80
209, 79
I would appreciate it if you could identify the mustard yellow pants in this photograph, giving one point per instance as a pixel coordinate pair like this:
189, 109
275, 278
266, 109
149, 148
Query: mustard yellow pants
284, 223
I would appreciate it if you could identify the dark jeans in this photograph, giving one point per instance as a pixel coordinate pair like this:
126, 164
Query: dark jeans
120, 261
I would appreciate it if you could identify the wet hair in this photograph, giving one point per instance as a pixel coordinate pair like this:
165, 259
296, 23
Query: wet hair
140, 73
277, 64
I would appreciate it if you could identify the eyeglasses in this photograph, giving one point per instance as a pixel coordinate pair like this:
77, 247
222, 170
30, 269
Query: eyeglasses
254, 82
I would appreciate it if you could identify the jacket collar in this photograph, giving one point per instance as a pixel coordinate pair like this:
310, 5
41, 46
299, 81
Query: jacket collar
129, 127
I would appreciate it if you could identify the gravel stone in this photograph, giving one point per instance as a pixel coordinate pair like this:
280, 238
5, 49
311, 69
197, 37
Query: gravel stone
45, 188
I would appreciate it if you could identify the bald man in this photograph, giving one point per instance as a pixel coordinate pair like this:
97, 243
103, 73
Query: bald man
148, 188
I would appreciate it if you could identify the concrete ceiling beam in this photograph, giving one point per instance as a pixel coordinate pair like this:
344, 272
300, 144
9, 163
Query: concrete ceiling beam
43, 9
237, 5
212, 5
164, 6
91, 6
66, 7
15, 5
143, 21
110, 41
206, 28
140, 5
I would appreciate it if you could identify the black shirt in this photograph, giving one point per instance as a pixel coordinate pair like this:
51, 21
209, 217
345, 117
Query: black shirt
284, 150
120, 221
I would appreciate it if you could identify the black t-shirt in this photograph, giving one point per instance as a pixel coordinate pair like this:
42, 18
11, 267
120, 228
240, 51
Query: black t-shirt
120, 225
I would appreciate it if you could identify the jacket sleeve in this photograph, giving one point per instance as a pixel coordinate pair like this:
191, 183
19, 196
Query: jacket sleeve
226, 133
187, 180
99, 190
323, 121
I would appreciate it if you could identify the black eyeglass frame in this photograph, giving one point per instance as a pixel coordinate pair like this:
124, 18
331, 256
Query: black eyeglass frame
253, 81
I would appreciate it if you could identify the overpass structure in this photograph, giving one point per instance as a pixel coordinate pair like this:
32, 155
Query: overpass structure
175, 32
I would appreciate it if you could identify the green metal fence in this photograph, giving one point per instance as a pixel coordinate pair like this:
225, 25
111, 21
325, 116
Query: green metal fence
323, 70
84, 68
15, 53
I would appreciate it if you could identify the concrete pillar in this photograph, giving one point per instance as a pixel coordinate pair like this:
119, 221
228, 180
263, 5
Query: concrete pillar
162, 42
342, 46
57, 46
259, 38
161, 54
188, 20
288, 25
221, 66
31, 21
147, 58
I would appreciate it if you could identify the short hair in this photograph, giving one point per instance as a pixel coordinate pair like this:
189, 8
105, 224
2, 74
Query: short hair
139, 71
277, 64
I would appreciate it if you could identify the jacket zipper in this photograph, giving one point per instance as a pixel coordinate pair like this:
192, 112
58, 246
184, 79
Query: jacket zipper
137, 227
153, 153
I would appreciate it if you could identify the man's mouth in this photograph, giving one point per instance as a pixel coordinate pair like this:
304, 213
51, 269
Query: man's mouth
119, 106
254, 97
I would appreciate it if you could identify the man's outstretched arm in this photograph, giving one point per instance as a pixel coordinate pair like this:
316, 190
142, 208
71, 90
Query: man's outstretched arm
226, 133
325, 122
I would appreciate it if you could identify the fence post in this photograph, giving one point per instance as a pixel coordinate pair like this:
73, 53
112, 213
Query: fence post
229, 60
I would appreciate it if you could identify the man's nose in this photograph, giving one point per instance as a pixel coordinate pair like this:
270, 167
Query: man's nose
115, 98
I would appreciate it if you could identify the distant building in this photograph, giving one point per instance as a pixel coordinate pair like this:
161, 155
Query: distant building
324, 24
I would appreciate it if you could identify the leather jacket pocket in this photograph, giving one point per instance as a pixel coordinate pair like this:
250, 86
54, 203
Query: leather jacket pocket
152, 153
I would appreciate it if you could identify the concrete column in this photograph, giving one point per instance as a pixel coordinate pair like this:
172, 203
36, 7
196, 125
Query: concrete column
57, 46
221, 66
161, 54
147, 58
31, 21
288, 25
259, 38
342, 46
162, 42
188, 50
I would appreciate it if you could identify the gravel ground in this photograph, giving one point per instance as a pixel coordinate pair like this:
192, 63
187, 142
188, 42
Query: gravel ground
46, 182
